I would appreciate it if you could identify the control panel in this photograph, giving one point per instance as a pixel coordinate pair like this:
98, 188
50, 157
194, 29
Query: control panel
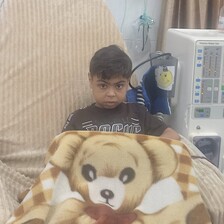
208, 88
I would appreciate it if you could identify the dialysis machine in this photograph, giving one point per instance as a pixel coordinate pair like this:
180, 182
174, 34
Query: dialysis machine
198, 105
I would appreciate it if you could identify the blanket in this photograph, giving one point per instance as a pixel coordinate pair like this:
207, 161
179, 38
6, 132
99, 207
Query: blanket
108, 178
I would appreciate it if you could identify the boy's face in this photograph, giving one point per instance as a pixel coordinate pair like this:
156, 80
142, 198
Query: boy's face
108, 93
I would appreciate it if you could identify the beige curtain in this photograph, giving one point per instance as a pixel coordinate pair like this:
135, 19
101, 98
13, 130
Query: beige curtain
195, 14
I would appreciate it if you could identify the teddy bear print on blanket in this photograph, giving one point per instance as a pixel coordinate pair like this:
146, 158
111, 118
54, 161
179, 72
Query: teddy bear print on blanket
108, 178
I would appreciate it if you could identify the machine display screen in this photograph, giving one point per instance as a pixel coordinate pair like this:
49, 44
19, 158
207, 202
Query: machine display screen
202, 112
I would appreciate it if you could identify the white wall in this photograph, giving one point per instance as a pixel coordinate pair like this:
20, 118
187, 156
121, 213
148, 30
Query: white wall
127, 13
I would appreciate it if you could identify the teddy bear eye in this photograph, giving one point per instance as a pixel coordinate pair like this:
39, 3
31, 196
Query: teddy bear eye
89, 172
127, 175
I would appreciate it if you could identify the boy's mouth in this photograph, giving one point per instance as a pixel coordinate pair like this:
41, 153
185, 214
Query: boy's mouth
110, 104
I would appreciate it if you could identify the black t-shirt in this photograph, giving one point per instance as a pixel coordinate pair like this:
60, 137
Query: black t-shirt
127, 117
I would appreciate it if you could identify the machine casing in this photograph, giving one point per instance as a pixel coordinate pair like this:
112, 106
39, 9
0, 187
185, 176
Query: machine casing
198, 105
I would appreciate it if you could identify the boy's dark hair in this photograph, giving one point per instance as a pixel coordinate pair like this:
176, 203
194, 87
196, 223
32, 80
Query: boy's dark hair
110, 61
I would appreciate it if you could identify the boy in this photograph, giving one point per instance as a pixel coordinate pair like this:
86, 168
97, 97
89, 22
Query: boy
109, 76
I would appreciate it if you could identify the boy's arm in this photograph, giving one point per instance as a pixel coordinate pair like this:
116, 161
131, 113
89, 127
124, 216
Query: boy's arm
170, 133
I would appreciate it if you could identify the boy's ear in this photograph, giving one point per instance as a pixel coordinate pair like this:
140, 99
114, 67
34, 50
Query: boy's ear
90, 80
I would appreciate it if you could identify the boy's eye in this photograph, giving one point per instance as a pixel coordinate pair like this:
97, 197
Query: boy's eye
102, 86
119, 86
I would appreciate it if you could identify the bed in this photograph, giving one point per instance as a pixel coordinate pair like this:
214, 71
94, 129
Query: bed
45, 47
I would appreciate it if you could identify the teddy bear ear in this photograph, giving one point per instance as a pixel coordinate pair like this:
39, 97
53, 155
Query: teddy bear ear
162, 156
64, 147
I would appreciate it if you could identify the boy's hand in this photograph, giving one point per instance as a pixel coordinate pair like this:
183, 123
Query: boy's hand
170, 133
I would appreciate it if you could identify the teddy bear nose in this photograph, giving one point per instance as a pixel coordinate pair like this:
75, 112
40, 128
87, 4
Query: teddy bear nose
107, 194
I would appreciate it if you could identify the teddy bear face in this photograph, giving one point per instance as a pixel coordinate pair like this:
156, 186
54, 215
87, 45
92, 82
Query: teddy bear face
101, 176
106, 168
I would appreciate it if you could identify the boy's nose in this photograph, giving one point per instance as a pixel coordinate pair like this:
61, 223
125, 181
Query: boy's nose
111, 92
